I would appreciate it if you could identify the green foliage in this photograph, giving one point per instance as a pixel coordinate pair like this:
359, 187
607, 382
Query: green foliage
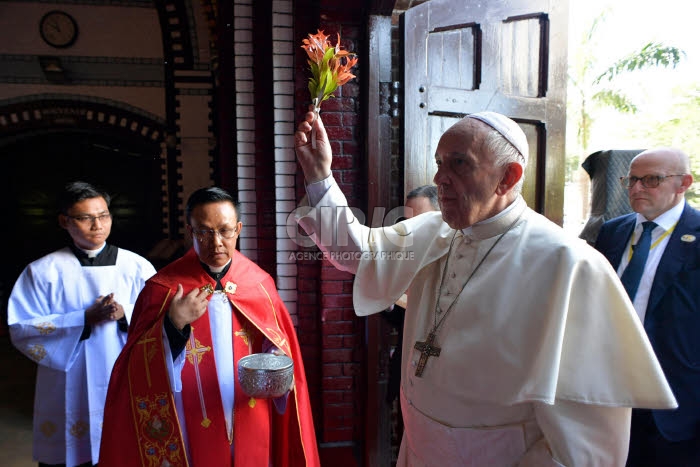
652, 54
322, 84
614, 99
678, 128
591, 89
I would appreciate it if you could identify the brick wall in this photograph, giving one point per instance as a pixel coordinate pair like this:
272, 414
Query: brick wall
245, 128
325, 294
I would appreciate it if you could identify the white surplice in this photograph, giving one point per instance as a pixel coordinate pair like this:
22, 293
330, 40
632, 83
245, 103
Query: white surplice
541, 357
46, 317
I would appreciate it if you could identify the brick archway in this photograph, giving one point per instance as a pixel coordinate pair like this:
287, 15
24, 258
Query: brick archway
48, 140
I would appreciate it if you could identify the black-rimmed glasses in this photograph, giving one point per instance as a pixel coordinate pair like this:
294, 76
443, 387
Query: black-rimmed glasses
648, 181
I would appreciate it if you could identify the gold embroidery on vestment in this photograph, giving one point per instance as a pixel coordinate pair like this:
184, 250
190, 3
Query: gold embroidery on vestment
148, 353
195, 349
246, 335
208, 288
199, 350
45, 328
37, 352
48, 429
79, 429
278, 340
160, 445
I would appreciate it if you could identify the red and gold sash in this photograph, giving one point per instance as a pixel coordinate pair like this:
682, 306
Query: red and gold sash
201, 398
208, 440
152, 404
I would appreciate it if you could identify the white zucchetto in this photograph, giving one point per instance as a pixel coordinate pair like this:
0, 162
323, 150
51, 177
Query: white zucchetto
507, 128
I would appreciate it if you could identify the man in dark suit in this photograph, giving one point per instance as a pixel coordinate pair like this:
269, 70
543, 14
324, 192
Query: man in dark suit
660, 245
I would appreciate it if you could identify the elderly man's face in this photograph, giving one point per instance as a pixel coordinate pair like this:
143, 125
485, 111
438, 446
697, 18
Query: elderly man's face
467, 177
210, 223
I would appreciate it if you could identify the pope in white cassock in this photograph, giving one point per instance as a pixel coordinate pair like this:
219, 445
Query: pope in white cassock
69, 312
520, 344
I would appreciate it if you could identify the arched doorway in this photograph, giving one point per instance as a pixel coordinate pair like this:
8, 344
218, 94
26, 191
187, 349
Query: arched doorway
35, 169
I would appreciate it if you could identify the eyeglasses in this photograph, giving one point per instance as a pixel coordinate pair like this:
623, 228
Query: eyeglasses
648, 181
89, 220
204, 235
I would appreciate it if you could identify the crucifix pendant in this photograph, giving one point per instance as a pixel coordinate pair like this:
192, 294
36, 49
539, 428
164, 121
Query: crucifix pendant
427, 350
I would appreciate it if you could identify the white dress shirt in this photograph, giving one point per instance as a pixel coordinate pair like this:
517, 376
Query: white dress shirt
666, 222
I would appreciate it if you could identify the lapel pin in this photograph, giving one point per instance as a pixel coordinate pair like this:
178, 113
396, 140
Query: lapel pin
230, 287
688, 238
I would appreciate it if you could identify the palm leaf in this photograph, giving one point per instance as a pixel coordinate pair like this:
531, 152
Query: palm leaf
616, 100
652, 54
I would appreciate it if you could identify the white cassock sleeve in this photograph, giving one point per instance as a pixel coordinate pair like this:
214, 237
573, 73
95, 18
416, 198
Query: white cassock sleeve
585, 435
394, 252
45, 330
174, 367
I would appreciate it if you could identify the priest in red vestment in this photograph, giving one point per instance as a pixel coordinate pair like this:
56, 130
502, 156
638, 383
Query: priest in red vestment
174, 398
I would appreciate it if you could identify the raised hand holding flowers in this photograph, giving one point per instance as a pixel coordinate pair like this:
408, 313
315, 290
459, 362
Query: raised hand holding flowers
330, 68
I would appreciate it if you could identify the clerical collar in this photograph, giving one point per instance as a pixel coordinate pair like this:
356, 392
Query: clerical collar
497, 224
666, 220
104, 256
217, 273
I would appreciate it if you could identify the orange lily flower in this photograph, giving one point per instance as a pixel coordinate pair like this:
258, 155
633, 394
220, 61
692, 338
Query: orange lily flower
330, 66
315, 46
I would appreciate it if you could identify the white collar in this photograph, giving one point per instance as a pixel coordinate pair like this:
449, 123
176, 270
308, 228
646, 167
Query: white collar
92, 253
497, 224
666, 220
219, 269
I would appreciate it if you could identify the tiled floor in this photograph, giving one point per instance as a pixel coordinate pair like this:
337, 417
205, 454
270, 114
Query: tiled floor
17, 375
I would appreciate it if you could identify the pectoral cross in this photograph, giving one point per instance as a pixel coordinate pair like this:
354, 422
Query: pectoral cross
427, 350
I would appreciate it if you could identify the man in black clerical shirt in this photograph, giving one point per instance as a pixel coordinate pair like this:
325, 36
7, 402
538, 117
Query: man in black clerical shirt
69, 313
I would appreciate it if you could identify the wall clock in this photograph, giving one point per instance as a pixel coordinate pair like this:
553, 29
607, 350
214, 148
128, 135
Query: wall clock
58, 29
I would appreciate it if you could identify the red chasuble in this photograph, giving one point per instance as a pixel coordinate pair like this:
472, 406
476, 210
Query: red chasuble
141, 425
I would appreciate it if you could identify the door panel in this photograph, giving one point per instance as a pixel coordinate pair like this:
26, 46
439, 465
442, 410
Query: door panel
466, 56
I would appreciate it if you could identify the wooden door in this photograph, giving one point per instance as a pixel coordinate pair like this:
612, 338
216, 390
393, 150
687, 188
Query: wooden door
467, 56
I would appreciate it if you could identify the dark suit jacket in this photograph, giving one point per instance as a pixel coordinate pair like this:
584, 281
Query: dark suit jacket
672, 319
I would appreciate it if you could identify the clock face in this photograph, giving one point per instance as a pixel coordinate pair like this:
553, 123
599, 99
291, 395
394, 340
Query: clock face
58, 29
